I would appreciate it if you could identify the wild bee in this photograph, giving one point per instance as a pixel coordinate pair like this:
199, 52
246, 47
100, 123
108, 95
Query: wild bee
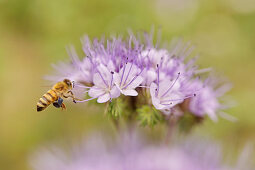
56, 94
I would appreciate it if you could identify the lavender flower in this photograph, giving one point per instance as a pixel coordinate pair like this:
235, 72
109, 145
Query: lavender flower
132, 67
131, 153
166, 94
103, 88
207, 97
128, 79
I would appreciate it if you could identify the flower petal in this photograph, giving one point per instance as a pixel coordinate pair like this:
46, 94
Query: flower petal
115, 92
104, 98
98, 80
136, 82
129, 92
116, 78
157, 105
95, 91
153, 87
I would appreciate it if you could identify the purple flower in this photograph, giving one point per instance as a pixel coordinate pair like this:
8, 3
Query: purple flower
205, 103
128, 79
104, 88
166, 94
117, 66
207, 97
130, 153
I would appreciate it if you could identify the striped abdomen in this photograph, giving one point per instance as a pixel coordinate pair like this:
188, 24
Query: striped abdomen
46, 100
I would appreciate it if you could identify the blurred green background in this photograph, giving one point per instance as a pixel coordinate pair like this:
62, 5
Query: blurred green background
34, 34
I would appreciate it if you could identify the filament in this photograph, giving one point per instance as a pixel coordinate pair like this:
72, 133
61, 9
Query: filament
172, 100
172, 85
102, 78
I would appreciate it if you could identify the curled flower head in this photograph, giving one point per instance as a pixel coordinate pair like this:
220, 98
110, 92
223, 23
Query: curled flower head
162, 77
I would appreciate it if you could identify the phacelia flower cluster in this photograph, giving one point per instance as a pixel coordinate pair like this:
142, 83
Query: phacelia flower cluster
117, 67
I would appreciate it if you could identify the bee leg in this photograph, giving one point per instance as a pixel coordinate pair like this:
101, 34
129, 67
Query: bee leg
63, 106
58, 103
72, 96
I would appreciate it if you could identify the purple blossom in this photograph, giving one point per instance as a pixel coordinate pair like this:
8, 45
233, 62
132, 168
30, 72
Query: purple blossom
207, 97
128, 79
104, 88
117, 66
166, 94
131, 153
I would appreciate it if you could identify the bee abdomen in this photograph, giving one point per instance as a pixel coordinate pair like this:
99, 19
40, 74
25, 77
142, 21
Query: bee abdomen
46, 100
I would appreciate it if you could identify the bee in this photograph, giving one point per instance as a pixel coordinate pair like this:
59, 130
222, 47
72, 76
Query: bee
55, 95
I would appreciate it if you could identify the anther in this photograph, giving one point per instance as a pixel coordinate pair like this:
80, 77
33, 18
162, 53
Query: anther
157, 65
195, 94
112, 72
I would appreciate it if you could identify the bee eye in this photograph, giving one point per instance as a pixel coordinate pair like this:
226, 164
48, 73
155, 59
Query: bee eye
73, 84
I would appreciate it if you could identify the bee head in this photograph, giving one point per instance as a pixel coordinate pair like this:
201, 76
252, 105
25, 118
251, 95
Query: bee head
68, 83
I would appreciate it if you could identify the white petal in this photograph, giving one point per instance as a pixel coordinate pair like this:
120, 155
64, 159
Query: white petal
137, 81
157, 105
104, 98
98, 81
116, 78
151, 75
164, 86
106, 74
134, 71
152, 90
130, 71
129, 92
96, 91
115, 92
174, 98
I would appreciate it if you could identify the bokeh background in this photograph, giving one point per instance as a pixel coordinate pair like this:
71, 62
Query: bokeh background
35, 33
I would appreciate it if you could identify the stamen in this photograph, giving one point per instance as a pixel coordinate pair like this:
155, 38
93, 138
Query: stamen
85, 100
81, 101
128, 73
102, 78
133, 80
186, 97
172, 85
123, 73
167, 104
158, 80
111, 79
86, 87
161, 61
144, 87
